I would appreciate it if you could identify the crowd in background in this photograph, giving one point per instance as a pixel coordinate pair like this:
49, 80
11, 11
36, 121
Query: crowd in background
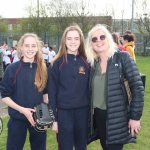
124, 42
9, 55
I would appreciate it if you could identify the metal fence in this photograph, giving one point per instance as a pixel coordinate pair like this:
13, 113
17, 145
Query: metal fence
142, 44
12, 38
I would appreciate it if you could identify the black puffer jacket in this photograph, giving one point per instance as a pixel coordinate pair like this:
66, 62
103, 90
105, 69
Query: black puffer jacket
117, 114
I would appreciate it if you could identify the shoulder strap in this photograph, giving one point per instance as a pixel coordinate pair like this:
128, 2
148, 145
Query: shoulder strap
124, 83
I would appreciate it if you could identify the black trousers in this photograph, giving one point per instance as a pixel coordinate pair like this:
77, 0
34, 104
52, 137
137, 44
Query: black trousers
100, 122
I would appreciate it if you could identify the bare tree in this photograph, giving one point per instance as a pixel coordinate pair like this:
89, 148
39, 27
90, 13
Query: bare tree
53, 17
67, 12
38, 20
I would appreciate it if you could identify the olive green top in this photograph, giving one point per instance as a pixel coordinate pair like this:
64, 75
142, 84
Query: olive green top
99, 89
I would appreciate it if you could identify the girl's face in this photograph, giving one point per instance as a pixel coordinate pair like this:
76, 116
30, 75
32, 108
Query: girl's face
72, 42
29, 49
99, 41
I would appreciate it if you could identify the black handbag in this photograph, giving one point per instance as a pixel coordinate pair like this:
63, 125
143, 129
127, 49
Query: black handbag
143, 77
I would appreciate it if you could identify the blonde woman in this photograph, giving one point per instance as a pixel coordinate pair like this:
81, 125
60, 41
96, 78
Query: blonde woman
22, 88
115, 123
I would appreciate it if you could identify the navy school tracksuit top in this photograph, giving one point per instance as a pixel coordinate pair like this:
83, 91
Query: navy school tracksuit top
68, 83
18, 84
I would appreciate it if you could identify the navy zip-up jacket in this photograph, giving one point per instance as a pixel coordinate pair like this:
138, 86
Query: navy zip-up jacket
18, 84
68, 83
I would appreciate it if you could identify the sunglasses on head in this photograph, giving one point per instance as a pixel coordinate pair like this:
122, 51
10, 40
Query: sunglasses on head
95, 39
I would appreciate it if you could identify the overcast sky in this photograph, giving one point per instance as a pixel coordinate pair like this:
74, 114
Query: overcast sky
15, 8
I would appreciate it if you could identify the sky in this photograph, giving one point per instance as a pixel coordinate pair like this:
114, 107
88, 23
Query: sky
15, 8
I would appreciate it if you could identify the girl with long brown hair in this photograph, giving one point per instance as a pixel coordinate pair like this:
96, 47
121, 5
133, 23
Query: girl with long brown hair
22, 88
68, 90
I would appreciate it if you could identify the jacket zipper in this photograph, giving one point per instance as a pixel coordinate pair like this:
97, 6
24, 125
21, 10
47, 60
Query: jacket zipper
75, 57
30, 65
107, 105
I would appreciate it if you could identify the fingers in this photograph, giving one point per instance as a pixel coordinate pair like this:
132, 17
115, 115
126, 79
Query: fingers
135, 130
134, 127
31, 120
55, 127
28, 113
132, 132
55, 130
32, 110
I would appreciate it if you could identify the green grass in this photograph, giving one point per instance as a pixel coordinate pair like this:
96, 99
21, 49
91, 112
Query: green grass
143, 137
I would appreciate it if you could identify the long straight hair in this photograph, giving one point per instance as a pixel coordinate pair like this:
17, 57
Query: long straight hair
63, 49
41, 70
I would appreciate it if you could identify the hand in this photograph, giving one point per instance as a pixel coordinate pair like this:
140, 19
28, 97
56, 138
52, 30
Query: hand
134, 126
55, 127
28, 113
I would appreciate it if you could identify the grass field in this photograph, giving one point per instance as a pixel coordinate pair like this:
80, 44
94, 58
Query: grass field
143, 139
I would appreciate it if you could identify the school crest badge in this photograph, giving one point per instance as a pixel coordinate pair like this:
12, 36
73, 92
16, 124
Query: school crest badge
81, 70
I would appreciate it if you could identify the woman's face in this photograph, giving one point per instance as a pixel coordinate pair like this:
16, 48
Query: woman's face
29, 49
124, 41
99, 41
72, 42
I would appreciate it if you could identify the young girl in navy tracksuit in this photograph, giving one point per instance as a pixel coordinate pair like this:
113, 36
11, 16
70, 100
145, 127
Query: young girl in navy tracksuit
21, 89
68, 90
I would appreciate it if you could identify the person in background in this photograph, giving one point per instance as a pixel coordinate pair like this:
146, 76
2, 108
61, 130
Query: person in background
129, 44
51, 55
6, 58
22, 87
115, 125
11, 50
68, 90
127, 32
55, 48
2, 53
120, 40
14, 54
116, 40
45, 50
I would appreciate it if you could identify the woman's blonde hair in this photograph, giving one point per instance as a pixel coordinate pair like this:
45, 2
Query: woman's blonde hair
91, 53
41, 70
63, 49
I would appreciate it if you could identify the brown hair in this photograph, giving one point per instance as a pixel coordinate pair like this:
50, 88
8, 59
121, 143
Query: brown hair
127, 32
41, 71
129, 37
3, 43
63, 49
116, 38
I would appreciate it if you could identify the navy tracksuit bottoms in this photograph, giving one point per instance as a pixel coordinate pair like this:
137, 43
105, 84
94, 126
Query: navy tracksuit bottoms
17, 131
72, 128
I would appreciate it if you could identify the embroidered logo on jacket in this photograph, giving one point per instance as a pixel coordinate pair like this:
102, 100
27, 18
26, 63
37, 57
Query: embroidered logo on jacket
81, 70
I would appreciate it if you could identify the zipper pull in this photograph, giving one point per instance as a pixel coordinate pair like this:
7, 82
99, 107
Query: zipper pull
75, 57
30, 65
